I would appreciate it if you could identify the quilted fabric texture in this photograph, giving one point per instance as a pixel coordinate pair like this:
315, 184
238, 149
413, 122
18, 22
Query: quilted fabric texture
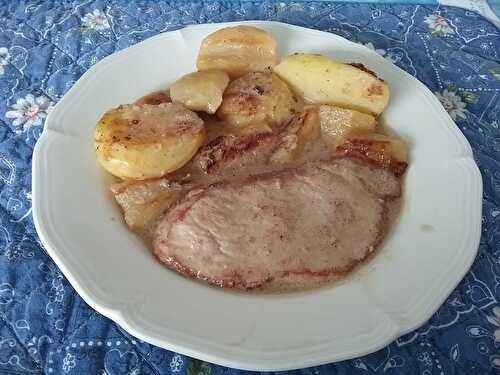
45, 46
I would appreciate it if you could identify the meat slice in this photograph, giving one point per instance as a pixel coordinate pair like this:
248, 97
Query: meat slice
236, 155
226, 155
314, 221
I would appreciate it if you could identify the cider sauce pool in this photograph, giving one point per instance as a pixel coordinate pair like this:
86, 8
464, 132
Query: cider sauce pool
316, 150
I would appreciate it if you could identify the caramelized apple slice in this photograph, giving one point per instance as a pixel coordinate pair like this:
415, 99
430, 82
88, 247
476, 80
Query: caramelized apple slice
379, 149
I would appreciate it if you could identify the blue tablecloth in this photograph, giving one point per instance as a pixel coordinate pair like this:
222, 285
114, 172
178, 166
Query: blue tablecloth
45, 327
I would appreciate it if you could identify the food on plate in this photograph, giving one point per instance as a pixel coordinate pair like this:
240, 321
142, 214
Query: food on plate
146, 141
238, 50
302, 130
258, 97
336, 123
142, 201
252, 178
232, 154
200, 91
255, 128
319, 79
155, 98
318, 219
379, 149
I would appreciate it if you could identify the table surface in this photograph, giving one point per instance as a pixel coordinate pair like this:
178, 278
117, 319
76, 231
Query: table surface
45, 46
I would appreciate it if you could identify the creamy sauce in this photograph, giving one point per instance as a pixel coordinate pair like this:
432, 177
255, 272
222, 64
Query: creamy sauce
155, 98
317, 150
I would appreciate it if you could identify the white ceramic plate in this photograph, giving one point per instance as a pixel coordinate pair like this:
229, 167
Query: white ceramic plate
424, 258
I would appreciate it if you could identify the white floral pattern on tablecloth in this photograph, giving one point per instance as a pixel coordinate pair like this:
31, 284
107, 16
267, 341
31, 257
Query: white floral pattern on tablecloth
29, 111
95, 20
46, 46
453, 103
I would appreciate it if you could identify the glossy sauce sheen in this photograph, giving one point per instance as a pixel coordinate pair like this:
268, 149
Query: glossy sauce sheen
291, 227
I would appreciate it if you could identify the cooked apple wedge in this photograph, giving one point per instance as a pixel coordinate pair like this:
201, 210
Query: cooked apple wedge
138, 142
379, 149
142, 201
321, 80
238, 50
258, 97
336, 123
200, 91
